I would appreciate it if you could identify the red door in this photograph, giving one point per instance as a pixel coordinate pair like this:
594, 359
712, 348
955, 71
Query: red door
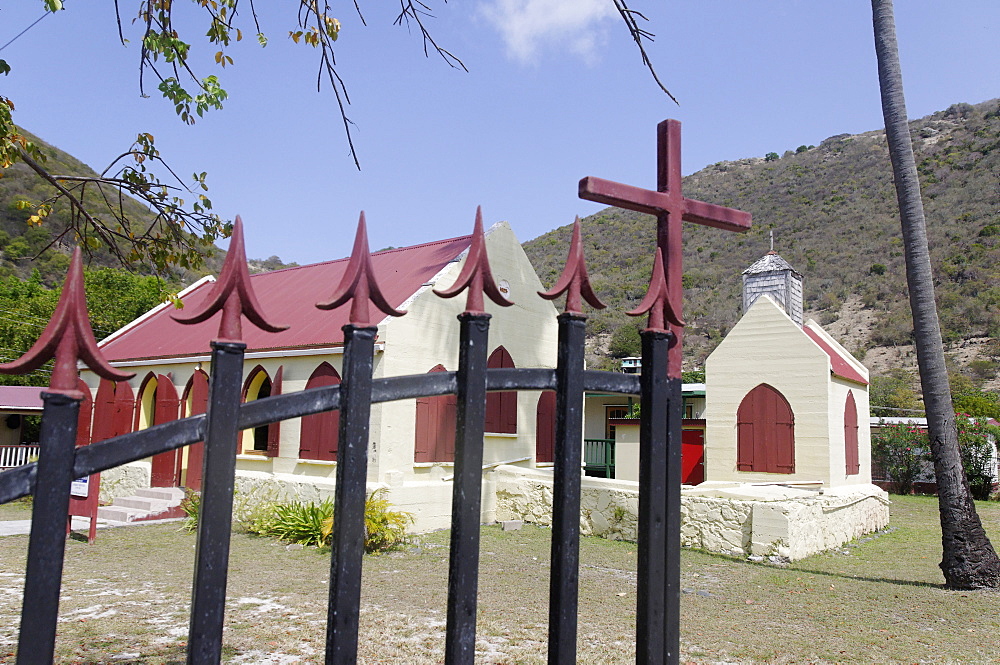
196, 403
692, 456
165, 471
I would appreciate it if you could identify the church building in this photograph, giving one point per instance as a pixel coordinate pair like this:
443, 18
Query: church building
413, 442
784, 399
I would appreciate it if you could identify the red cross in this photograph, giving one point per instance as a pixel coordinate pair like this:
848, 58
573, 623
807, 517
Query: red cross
670, 208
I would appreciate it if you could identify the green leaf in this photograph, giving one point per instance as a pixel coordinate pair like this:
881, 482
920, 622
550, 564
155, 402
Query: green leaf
4, 67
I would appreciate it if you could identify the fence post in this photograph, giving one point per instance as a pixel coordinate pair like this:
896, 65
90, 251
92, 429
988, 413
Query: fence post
208, 597
565, 567
47, 543
653, 544
463, 564
348, 537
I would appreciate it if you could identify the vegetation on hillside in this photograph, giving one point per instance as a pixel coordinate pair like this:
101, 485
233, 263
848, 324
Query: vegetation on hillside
114, 298
833, 213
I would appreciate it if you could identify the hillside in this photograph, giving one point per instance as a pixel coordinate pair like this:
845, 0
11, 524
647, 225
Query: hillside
832, 209
24, 248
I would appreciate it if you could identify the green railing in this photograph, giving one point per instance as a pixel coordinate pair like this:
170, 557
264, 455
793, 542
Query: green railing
599, 457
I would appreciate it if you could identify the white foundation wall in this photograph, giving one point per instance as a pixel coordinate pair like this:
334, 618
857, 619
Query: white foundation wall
766, 346
733, 518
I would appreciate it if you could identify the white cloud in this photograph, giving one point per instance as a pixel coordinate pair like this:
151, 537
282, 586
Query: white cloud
527, 25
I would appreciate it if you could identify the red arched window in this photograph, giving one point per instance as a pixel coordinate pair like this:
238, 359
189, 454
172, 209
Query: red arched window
851, 435
765, 432
545, 427
501, 407
434, 440
318, 437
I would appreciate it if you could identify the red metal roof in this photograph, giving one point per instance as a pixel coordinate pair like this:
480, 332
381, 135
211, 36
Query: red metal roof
21, 398
839, 365
288, 297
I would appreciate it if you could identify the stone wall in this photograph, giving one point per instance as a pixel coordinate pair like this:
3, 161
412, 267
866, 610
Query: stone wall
739, 519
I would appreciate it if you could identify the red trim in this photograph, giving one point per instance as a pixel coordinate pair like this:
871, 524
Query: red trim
839, 365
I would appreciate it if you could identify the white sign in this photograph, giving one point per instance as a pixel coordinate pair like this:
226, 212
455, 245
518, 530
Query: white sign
80, 487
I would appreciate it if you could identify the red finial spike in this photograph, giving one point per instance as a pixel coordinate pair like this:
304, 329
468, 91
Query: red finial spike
68, 337
574, 281
657, 300
476, 274
358, 284
233, 295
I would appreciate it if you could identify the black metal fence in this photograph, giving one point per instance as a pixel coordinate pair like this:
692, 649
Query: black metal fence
60, 462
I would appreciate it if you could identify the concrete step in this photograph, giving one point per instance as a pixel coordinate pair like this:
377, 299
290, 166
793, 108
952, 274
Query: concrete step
119, 514
148, 503
172, 494
143, 503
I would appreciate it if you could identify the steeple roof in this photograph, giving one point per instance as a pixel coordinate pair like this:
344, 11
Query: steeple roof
770, 262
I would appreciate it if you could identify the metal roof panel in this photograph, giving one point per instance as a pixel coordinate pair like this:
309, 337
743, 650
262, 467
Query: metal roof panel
288, 297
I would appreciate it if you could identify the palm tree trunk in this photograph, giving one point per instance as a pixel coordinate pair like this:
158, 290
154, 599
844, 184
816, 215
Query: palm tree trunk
968, 559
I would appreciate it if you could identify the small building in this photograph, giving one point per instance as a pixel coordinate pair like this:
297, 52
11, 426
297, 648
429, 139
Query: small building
16, 402
785, 399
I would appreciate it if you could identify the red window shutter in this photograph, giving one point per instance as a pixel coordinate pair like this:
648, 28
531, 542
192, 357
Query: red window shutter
165, 471
196, 402
103, 426
446, 427
501, 407
424, 434
86, 412
318, 436
545, 427
851, 454
435, 427
744, 442
784, 428
274, 429
124, 408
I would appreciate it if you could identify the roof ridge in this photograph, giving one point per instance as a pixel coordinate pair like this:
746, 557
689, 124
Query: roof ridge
384, 251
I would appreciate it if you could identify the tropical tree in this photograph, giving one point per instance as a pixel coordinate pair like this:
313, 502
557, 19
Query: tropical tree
182, 227
969, 560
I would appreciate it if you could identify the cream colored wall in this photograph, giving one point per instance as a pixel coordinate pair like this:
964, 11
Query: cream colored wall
429, 335
838, 389
766, 346
595, 413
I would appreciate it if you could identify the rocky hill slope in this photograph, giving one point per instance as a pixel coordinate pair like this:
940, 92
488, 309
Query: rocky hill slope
832, 211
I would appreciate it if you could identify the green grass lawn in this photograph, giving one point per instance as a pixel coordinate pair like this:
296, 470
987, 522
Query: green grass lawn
879, 600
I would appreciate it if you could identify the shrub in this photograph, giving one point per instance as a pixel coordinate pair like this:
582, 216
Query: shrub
301, 522
385, 529
976, 441
191, 505
901, 451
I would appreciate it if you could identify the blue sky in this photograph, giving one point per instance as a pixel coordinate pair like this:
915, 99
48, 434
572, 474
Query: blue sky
555, 91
